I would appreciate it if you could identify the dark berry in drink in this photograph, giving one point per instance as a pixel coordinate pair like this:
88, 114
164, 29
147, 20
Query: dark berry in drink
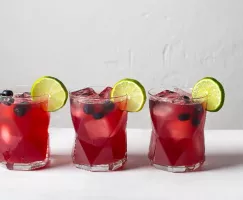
184, 116
21, 109
186, 97
195, 121
88, 109
198, 108
7, 93
98, 115
108, 106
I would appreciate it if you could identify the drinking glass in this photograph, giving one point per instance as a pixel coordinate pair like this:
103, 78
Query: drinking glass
24, 122
177, 138
100, 130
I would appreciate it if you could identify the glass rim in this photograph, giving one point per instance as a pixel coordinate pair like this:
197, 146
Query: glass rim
162, 89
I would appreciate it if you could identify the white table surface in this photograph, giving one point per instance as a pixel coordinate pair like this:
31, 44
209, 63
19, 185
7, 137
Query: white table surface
221, 178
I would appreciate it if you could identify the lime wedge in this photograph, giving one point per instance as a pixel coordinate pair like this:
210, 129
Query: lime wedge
52, 87
213, 90
135, 93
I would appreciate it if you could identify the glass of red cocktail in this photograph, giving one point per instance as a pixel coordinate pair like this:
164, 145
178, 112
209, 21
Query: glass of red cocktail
24, 122
100, 129
177, 139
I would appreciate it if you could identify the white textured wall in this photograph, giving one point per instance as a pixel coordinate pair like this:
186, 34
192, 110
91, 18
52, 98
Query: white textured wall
90, 42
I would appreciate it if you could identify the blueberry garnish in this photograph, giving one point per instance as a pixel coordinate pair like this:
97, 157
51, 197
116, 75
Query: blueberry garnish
7, 93
184, 117
88, 109
98, 115
108, 106
21, 109
195, 121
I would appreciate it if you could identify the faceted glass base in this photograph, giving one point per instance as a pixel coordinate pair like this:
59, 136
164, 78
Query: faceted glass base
179, 169
103, 168
25, 166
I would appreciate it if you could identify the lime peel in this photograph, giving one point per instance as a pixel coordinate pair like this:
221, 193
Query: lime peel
135, 92
54, 88
213, 90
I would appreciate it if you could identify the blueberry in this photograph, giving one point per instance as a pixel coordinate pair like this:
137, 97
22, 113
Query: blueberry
198, 108
108, 106
186, 97
195, 121
7, 93
184, 117
98, 115
88, 109
21, 109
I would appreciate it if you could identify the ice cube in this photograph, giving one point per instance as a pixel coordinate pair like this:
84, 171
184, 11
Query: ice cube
86, 92
86, 95
183, 93
164, 93
5, 135
172, 96
77, 110
180, 129
101, 128
165, 96
10, 134
181, 100
7, 100
106, 93
23, 95
163, 110
178, 96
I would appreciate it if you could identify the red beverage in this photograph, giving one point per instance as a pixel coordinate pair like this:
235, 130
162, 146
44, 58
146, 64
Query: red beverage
177, 140
23, 132
100, 126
